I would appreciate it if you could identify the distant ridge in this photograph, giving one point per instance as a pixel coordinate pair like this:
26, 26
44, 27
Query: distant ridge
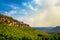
55, 29
12, 22
48, 29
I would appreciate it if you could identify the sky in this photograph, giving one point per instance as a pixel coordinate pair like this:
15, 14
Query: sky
36, 13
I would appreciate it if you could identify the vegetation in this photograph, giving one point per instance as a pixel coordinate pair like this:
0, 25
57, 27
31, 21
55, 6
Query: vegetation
16, 33
8, 32
12, 32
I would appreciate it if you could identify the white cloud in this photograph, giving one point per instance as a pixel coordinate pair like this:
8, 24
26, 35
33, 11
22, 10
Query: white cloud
38, 2
10, 12
37, 19
47, 17
32, 8
29, 6
16, 12
13, 6
24, 3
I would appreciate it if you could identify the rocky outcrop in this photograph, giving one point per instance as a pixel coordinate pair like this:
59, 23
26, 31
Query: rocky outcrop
12, 22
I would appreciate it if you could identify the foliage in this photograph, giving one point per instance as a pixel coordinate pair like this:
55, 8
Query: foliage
16, 33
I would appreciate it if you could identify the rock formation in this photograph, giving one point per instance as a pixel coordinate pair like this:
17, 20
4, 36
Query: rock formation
12, 22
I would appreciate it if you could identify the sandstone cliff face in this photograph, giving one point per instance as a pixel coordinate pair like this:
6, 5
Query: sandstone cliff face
12, 22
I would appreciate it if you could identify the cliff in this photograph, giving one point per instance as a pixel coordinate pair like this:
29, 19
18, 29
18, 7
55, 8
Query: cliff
12, 22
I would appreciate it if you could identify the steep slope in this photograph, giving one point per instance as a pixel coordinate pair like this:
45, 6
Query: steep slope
16, 33
11, 29
12, 22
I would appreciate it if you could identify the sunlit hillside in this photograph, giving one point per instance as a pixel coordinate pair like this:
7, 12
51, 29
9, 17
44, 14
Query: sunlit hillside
11, 32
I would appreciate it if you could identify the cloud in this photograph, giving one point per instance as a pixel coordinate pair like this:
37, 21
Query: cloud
13, 6
24, 3
47, 17
16, 12
29, 6
36, 17
10, 12
38, 2
32, 8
